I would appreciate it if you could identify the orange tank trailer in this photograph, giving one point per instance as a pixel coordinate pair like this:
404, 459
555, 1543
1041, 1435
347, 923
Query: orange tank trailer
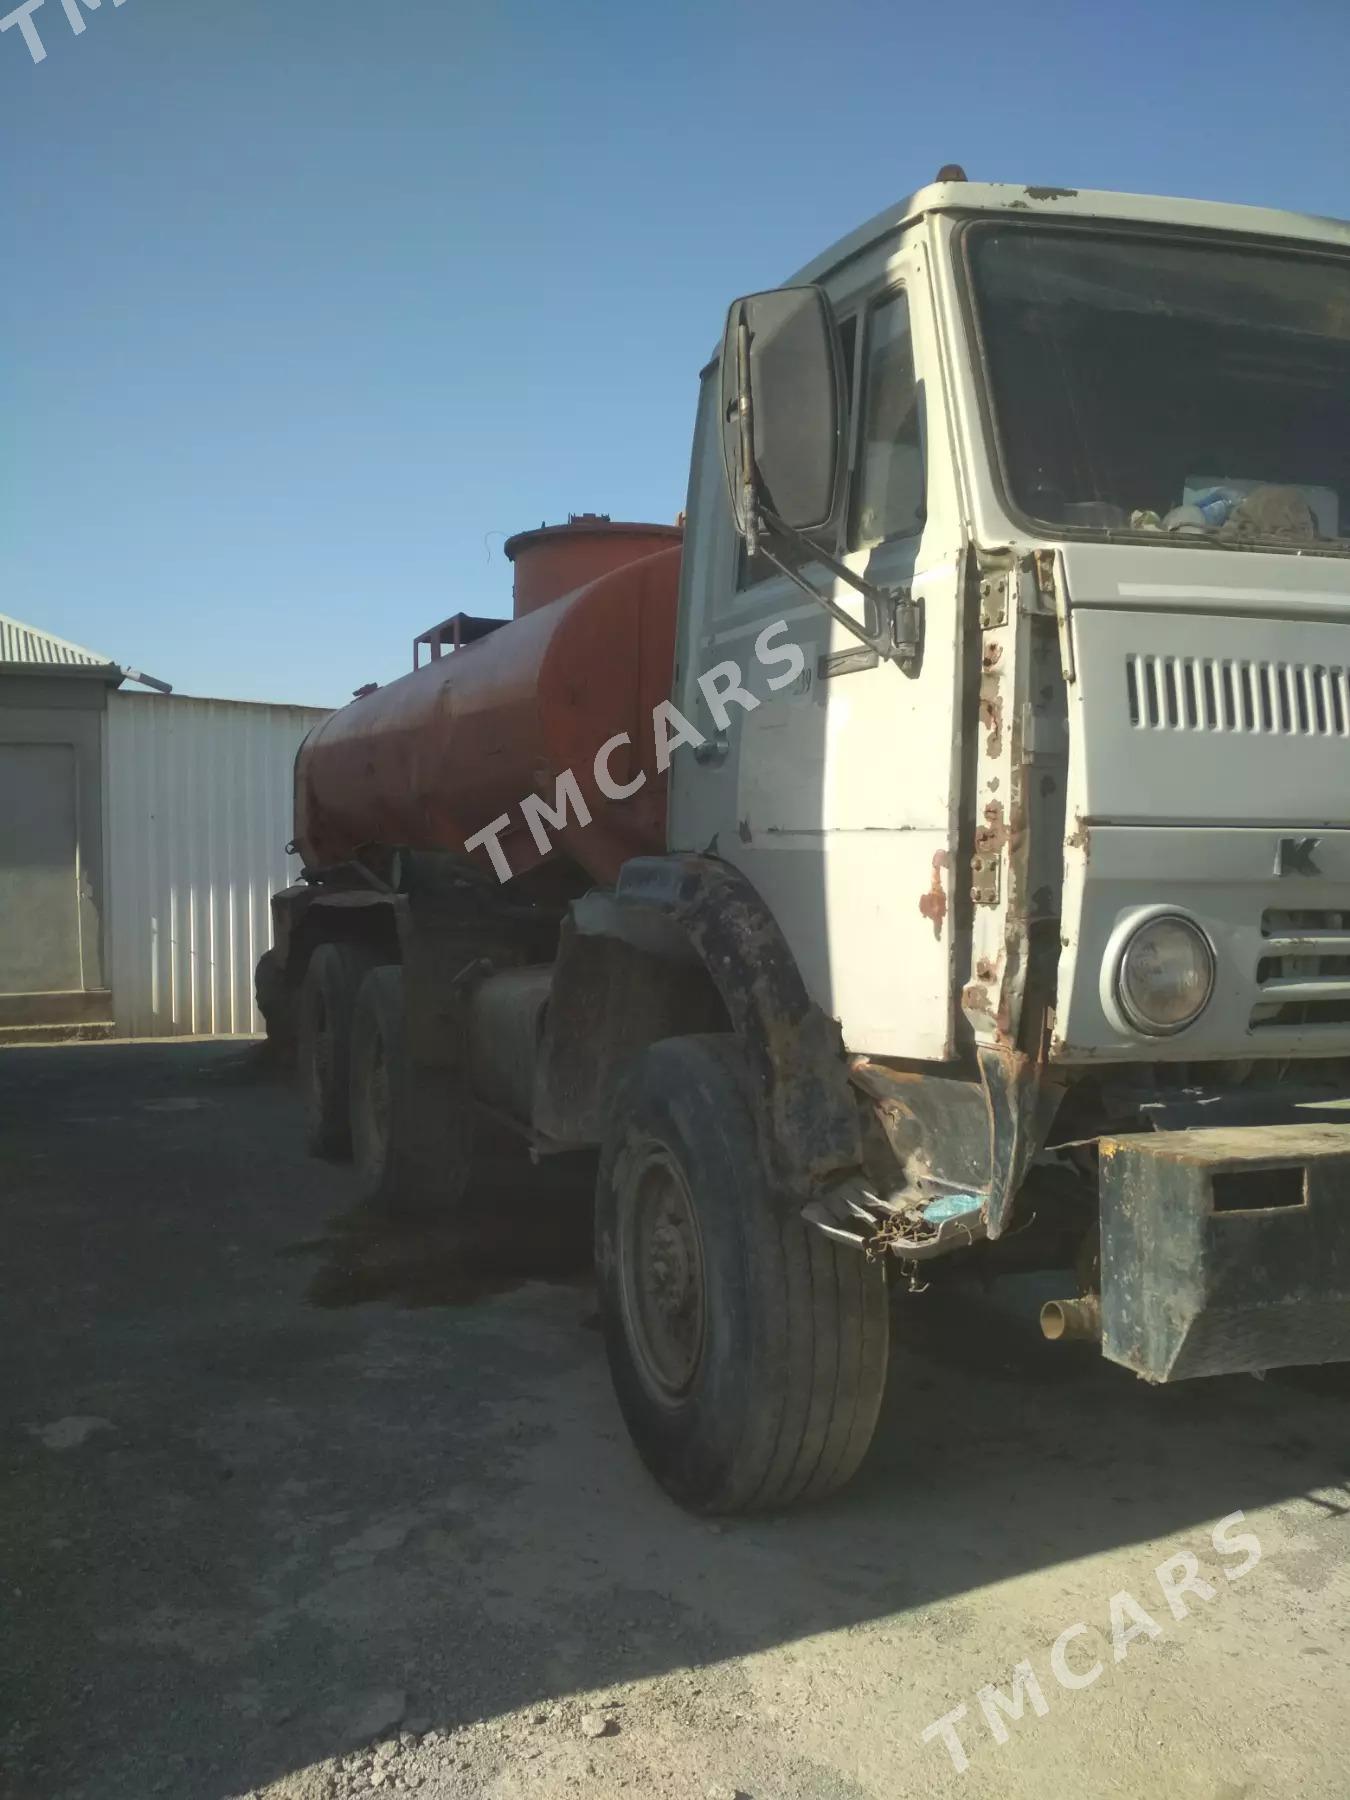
429, 760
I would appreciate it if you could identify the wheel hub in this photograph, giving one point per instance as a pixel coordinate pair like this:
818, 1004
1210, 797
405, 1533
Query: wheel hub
663, 1285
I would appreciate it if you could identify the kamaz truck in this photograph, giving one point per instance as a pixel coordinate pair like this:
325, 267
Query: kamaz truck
932, 854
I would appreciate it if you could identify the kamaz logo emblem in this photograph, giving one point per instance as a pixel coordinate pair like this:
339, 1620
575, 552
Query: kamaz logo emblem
1295, 856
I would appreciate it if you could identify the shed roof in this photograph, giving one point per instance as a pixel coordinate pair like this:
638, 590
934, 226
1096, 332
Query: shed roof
24, 646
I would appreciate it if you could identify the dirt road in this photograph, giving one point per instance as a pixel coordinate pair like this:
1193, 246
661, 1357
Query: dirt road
292, 1510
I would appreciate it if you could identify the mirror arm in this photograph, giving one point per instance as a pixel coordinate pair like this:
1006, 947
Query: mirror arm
745, 424
900, 639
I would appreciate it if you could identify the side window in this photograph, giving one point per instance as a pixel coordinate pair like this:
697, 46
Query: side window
888, 481
750, 571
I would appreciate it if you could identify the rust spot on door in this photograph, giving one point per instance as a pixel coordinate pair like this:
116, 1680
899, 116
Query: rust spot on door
991, 711
992, 836
933, 904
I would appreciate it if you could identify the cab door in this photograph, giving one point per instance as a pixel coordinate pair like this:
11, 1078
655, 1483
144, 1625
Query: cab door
836, 792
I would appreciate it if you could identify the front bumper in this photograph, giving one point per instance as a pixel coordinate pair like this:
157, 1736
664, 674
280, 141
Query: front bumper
1226, 1250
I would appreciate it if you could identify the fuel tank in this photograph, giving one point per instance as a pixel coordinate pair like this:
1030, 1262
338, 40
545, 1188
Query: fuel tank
429, 760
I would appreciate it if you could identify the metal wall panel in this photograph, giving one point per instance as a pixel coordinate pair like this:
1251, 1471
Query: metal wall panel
198, 813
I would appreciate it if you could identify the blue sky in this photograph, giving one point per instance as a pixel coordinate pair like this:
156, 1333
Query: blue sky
308, 303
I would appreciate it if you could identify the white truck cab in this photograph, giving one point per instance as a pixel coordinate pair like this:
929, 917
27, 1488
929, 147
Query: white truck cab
1052, 489
1099, 440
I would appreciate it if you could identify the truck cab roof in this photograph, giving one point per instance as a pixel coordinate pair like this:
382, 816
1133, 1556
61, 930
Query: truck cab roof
1081, 203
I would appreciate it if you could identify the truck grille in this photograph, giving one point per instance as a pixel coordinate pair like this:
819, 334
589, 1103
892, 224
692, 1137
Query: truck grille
1208, 693
1304, 970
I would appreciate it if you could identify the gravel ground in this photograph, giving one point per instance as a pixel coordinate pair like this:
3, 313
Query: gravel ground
292, 1509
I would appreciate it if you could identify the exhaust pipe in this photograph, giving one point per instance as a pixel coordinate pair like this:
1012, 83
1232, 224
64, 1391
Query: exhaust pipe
1063, 1320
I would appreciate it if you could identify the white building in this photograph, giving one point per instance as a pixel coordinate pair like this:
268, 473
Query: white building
141, 837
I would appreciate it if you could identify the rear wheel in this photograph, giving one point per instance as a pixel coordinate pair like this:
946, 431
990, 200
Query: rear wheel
327, 1003
748, 1352
411, 1142
277, 1002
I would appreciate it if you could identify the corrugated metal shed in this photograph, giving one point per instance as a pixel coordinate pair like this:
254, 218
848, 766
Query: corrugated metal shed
198, 813
26, 647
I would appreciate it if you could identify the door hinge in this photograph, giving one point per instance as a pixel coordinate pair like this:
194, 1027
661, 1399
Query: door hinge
986, 863
993, 601
986, 878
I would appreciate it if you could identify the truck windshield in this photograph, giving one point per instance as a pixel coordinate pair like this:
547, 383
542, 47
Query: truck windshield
1158, 386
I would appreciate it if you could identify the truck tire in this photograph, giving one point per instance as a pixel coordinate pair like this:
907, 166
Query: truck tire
276, 1000
411, 1144
748, 1352
327, 1001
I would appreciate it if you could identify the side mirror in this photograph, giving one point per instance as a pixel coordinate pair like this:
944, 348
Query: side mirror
783, 409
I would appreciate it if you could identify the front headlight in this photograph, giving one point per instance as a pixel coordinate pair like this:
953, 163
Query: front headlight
1166, 975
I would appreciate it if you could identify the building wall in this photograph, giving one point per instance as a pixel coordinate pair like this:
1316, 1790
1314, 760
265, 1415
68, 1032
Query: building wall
52, 884
198, 813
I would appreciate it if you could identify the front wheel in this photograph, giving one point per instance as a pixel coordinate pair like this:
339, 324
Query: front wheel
748, 1352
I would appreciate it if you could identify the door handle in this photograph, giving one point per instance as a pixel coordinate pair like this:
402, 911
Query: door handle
712, 750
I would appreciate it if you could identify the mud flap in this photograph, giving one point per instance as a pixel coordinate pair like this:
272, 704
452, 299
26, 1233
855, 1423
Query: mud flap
1226, 1250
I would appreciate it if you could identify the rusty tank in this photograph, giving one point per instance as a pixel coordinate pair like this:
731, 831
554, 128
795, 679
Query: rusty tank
501, 708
